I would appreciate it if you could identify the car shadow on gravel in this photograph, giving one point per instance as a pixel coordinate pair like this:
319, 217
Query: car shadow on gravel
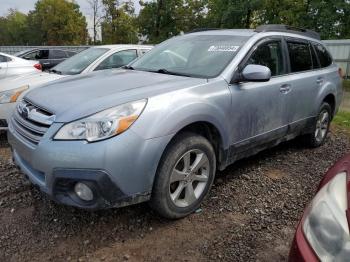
250, 214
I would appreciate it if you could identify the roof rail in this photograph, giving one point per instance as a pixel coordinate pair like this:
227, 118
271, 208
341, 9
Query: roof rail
202, 30
288, 29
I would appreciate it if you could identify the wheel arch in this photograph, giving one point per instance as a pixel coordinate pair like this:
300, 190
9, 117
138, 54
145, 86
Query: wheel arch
330, 99
211, 132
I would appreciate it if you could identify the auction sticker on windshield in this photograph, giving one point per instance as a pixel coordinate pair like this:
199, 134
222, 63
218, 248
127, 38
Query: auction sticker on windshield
223, 48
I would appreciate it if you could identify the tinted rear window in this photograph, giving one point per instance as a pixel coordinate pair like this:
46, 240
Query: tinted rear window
299, 56
57, 54
315, 62
323, 55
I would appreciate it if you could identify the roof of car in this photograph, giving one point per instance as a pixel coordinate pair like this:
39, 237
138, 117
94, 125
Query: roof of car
123, 46
11, 56
274, 29
243, 32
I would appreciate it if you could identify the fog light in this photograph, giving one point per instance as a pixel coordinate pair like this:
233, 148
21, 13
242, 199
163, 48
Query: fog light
83, 191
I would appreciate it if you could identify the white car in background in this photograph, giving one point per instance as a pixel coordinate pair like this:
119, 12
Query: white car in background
92, 59
12, 66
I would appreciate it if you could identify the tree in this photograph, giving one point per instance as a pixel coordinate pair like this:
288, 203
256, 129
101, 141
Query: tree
96, 7
13, 28
119, 25
163, 19
57, 22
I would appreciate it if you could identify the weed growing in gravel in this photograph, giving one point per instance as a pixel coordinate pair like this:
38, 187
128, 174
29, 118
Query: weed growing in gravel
346, 85
342, 119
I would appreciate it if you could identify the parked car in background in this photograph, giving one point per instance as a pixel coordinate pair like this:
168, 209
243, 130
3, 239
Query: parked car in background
160, 128
12, 66
92, 59
323, 232
47, 57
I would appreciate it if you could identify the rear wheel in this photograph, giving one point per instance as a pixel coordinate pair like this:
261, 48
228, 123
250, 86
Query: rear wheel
184, 177
321, 127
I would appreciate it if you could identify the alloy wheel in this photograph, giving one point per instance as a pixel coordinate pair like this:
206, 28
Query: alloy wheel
189, 178
322, 126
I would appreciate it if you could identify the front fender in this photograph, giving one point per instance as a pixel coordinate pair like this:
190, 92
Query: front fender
167, 114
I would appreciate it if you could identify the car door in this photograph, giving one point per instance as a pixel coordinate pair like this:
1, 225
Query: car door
42, 56
3, 66
304, 81
258, 108
117, 59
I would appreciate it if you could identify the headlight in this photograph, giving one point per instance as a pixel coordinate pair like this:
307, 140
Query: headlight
104, 124
326, 227
11, 96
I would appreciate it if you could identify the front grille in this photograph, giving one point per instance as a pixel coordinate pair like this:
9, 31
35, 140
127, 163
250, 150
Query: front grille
31, 122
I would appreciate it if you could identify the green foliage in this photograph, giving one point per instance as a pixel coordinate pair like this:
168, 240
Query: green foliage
119, 26
57, 22
163, 19
13, 28
329, 18
346, 85
60, 22
342, 119
232, 14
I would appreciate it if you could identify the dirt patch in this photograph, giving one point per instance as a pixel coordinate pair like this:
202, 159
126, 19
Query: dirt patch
250, 215
275, 174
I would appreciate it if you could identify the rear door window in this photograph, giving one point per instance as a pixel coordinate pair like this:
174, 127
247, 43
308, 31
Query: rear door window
323, 55
315, 63
299, 56
70, 53
38, 54
118, 59
269, 54
57, 54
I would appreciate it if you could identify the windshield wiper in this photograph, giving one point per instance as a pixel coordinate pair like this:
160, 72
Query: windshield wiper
167, 72
128, 67
55, 71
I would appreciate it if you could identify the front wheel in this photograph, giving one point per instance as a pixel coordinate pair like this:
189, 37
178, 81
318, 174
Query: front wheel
321, 127
184, 177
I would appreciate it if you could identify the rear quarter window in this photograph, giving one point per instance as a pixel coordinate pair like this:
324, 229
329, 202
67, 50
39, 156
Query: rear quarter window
323, 55
299, 56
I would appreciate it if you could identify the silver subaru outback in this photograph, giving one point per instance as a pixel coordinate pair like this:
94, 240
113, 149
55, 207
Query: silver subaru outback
158, 129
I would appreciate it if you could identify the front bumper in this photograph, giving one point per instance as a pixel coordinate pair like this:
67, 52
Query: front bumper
126, 165
6, 111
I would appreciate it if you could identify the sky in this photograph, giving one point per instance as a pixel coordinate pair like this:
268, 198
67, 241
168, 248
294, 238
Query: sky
26, 5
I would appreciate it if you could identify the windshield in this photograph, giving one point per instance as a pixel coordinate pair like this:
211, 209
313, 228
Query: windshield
204, 56
20, 53
77, 63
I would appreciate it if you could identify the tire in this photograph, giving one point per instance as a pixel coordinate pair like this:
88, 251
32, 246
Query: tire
188, 162
320, 128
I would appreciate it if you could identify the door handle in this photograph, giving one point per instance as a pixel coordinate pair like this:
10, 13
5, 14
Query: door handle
319, 81
285, 89
47, 63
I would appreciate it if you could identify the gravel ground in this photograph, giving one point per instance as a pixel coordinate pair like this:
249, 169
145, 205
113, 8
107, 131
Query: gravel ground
250, 215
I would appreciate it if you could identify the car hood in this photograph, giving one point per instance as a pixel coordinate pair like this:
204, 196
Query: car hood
33, 80
80, 96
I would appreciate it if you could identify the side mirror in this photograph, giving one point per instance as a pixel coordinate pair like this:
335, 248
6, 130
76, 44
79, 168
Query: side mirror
255, 73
